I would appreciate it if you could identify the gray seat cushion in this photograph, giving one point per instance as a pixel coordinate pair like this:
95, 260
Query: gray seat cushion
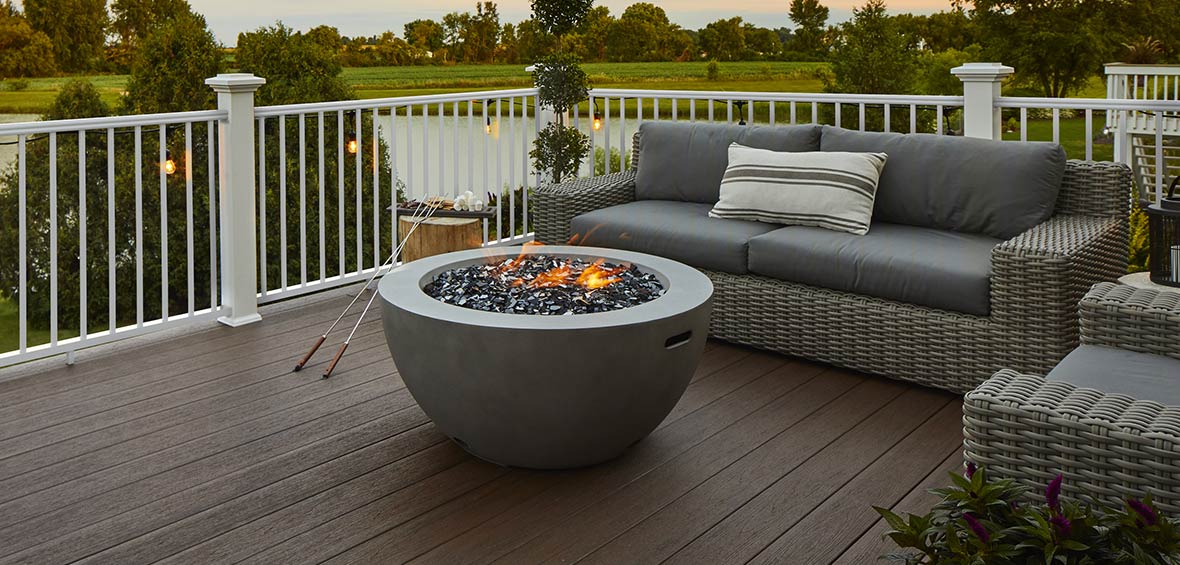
935, 268
998, 188
685, 161
1118, 371
677, 230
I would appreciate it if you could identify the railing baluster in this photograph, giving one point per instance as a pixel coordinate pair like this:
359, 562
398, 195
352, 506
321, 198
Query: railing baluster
913, 118
359, 212
340, 158
163, 222
938, 114
1160, 163
887, 118
302, 199
138, 226
376, 158
214, 299
111, 303
709, 107
772, 105
606, 135
1056, 125
499, 188
320, 220
860, 113
470, 144
188, 217
487, 120
83, 307
53, 238
261, 208
750, 111
1089, 134
512, 167
793, 112
692, 109
1024, 124
623, 133
393, 179
22, 245
283, 202
837, 111
455, 150
675, 109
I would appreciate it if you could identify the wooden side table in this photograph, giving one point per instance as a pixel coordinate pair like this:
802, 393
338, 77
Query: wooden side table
436, 236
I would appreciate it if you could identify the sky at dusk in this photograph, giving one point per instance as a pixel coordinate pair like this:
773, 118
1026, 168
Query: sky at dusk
369, 17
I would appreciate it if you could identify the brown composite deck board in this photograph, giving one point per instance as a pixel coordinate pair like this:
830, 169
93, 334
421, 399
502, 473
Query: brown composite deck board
205, 448
309, 320
868, 547
81, 455
121, 423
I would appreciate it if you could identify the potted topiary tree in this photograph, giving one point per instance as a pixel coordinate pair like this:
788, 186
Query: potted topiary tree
561, 84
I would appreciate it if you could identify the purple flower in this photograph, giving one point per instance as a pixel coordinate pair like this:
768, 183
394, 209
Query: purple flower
1144, 511
1053, 493
970, 470
1061, 525
977, 528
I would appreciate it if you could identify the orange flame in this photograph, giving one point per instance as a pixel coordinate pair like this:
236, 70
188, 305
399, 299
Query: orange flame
557, 276
595, 276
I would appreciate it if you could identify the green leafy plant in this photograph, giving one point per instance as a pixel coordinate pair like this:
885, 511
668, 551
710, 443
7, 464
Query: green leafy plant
994, 522
561, 84
713, 71
558, 150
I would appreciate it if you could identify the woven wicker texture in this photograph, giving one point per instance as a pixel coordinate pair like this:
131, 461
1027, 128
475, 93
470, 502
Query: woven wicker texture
1037, 279
1108, 446
1135, 319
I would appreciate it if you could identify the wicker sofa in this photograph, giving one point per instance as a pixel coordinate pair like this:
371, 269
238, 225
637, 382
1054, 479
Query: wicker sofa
1115, 436
1035, 280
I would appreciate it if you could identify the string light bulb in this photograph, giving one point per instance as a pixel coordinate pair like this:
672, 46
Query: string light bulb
487, 128
352, 144
597, 124
169, 166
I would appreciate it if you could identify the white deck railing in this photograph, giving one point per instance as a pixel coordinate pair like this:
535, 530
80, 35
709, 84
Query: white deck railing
425, 145
42, 226
334, 222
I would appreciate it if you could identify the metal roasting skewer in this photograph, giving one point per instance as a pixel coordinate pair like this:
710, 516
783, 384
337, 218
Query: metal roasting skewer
324, 336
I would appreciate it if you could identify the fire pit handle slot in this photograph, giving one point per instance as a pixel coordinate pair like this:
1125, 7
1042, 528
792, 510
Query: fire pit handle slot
678, 340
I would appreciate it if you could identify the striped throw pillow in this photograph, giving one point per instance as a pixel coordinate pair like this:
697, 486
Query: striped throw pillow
828, 189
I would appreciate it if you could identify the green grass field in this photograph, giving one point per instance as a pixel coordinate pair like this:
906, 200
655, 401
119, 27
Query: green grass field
382, 82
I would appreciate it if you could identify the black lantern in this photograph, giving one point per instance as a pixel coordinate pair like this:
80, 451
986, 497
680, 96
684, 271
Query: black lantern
1164, 230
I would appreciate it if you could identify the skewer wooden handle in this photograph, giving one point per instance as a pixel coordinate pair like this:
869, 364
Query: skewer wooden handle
335, 360
306, 358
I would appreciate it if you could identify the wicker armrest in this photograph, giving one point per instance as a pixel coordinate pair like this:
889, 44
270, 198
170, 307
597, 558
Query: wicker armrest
1108, 446
555, 205
1135, 319
1039, 276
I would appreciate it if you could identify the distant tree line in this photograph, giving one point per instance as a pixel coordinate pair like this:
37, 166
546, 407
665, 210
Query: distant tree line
1055, 46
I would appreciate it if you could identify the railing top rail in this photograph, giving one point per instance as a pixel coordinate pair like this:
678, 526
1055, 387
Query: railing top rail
1132, 69
781, 96
1089, 104
368, 104
57, 126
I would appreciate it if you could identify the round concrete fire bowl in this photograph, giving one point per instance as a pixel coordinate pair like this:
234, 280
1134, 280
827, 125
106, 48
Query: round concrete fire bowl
546, 391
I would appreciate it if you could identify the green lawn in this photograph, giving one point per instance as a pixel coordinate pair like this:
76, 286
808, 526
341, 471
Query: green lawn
382, 82
10, 329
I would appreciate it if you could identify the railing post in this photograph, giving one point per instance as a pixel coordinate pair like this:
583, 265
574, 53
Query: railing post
239, 273
981, 88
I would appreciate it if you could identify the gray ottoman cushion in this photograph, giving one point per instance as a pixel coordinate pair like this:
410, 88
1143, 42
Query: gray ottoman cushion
1118, 371
685, 161
677, 230
998, 188
935, 268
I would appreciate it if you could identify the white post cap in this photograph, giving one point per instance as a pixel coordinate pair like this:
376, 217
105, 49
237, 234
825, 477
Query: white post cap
982, 72
235, 82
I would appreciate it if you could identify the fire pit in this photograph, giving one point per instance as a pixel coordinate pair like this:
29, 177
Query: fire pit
518, 382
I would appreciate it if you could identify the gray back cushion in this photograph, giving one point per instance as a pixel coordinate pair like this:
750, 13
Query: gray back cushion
997, 188
685, 161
